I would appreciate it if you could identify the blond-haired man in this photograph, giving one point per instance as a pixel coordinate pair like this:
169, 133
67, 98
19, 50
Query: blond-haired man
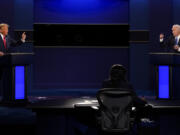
6, 42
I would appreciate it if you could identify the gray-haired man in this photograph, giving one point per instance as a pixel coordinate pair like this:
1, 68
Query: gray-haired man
173, 42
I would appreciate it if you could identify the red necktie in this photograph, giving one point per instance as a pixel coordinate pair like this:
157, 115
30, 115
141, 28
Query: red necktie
4, 40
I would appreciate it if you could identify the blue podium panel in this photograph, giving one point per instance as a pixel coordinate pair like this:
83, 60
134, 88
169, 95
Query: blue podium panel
19, 82
163, 80
166, 67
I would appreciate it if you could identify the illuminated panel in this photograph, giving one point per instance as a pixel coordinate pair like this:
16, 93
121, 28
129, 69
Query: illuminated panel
19, 82
164, 82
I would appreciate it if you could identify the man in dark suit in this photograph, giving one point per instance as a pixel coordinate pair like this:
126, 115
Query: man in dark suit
172, 44
6, 42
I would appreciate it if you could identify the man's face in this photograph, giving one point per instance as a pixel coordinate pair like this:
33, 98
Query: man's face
4, 30
175, 31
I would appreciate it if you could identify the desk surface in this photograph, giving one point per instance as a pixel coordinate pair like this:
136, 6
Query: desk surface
58, 102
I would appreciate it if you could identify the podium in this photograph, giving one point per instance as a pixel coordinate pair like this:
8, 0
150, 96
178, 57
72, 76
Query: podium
167, 72
14, 76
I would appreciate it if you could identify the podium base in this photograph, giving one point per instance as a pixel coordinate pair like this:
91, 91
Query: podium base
14, 103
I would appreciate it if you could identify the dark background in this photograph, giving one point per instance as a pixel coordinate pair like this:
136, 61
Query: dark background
87, 67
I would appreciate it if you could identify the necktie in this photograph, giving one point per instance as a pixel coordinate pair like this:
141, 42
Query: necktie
176, 41
4, 40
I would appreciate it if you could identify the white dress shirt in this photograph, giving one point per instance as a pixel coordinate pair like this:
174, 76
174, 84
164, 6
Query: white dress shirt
161, 40
2, 36
178, 38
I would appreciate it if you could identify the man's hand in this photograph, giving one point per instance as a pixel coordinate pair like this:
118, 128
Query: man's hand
1, 54
143, 98
161, 36
24, 36
176, 47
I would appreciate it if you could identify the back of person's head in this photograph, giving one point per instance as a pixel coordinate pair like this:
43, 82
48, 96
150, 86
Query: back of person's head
118, 72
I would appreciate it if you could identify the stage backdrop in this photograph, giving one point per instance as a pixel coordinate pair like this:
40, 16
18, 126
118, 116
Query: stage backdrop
81, 11
78, 67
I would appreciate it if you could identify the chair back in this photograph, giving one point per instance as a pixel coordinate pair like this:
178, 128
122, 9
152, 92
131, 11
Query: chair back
115, 105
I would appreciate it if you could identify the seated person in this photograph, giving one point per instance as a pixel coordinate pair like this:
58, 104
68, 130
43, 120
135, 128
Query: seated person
118, 79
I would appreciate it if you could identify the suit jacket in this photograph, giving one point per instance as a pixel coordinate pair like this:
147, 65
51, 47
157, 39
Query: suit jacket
9, 43
126, 85
168, 44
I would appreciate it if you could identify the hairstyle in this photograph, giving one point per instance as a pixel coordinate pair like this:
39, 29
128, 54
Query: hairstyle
3, 25
118, 72
176, 26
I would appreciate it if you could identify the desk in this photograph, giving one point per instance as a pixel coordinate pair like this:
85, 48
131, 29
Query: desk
57, 115
49, 104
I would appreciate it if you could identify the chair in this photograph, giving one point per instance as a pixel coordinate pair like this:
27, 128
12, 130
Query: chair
115, 105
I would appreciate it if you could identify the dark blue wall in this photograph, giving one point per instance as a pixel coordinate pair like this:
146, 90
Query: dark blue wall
139, 58
75, 67
81, 11
161, 20
6, 16
23, 14
176, 11
23, 20
139, 14
19, 14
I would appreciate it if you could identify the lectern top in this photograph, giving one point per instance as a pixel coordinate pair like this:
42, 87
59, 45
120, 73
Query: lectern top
163, 53
19, 54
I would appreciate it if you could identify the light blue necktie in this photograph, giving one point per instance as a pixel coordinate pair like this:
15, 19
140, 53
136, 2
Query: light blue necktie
176, 41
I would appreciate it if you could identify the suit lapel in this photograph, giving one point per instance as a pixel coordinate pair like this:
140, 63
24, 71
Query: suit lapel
173, 40
1, 40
